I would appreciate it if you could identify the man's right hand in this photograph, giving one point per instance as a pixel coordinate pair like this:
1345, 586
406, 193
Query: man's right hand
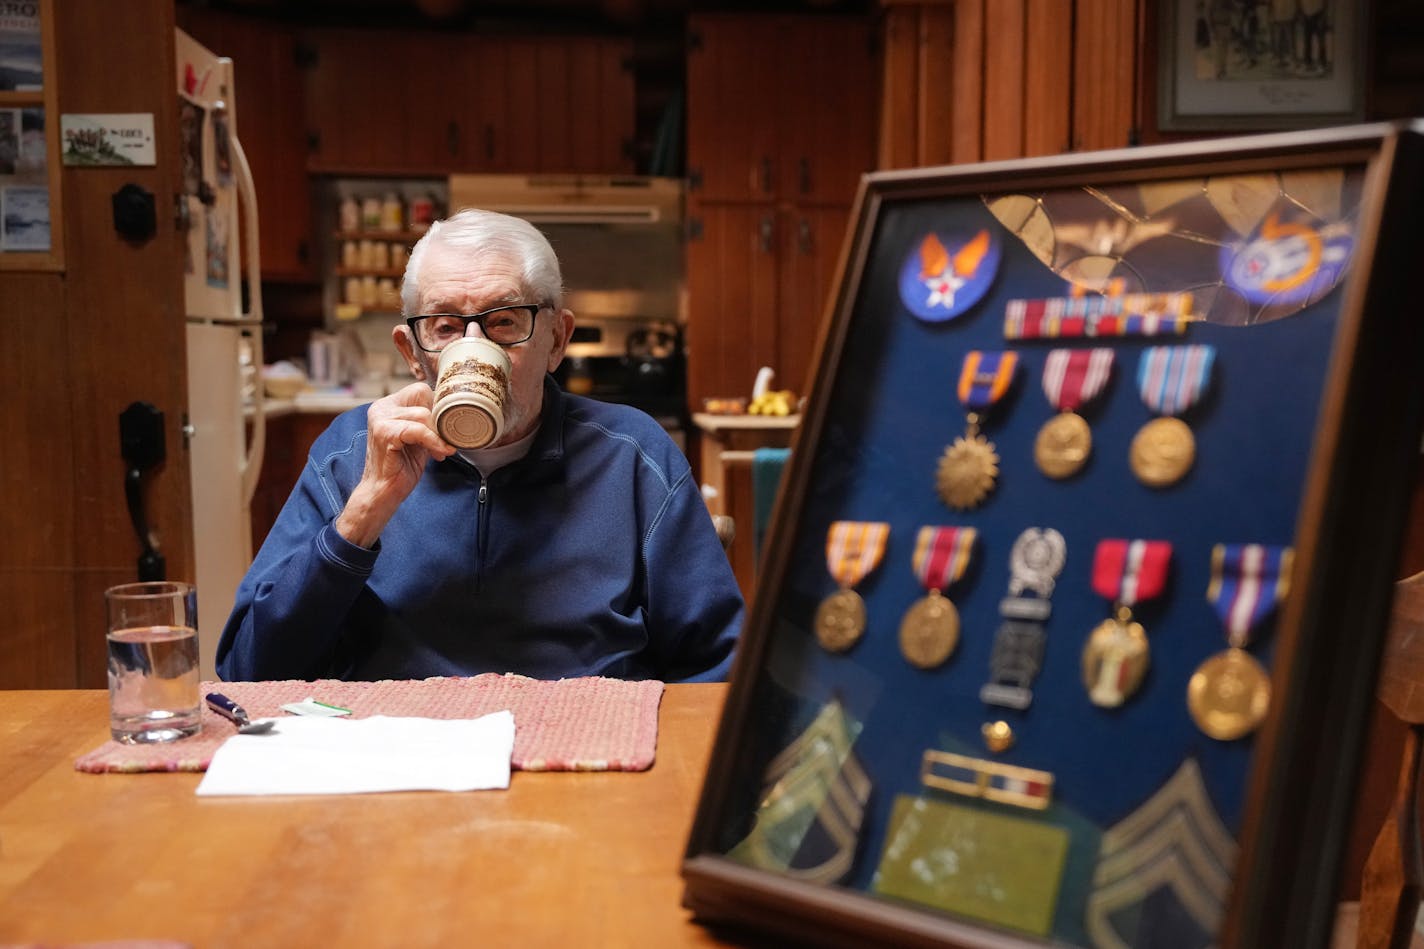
400, 439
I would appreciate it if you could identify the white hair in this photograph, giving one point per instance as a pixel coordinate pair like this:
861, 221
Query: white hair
486, 234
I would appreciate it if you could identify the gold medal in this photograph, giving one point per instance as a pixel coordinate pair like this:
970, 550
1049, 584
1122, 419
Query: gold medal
967, 472
1228, 694
969, 467
1062, 445
840, 620
853, 549
930, 631
1114, 661
1162, 452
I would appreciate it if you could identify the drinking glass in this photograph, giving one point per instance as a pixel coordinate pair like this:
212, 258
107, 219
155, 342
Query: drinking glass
153, 661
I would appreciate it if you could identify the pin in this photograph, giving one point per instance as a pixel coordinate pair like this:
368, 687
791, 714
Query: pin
1035, 561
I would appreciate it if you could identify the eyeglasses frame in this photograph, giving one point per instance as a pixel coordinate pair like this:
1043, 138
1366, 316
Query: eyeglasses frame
480, 318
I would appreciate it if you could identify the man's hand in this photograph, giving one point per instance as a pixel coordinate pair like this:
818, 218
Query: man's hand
400, 439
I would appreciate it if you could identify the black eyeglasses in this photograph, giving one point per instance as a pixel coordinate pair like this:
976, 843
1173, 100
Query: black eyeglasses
504, 325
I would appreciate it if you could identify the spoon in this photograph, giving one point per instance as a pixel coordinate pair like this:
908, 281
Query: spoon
236, 714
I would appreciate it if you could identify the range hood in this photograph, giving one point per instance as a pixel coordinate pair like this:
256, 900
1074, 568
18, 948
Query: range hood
573, 199
619, 238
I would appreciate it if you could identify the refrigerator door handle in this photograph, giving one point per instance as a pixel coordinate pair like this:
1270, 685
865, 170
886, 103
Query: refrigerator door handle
247, 194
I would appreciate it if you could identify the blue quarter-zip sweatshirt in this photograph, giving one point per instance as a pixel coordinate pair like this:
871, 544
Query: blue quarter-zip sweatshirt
592, 555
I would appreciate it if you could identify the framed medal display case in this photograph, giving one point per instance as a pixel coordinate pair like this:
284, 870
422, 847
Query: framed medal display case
1073, 597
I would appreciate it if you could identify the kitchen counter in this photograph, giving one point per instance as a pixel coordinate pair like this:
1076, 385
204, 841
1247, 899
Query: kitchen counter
313, 403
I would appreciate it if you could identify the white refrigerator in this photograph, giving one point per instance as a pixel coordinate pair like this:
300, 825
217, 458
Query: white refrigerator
225, 426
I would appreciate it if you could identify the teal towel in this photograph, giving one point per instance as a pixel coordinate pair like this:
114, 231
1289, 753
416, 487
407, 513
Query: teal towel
766, 478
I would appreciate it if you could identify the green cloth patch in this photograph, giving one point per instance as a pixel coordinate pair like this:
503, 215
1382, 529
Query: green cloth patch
972, 862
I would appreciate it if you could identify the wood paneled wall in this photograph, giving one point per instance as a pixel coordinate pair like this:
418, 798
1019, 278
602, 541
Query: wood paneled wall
983, 80
81, 345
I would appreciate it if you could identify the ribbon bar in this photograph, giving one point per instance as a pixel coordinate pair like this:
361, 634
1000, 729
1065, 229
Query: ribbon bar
985, 377
1130, 571
1247, 581
942, 554
1130, 314
1171, 379
979, 777
854, 548
1072, 377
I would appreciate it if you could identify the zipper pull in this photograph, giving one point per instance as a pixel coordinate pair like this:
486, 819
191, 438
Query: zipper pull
484, 492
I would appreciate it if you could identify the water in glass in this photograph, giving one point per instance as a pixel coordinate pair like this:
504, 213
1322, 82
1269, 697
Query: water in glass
153, 683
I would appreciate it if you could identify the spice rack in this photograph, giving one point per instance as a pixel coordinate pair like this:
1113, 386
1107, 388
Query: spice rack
374, 223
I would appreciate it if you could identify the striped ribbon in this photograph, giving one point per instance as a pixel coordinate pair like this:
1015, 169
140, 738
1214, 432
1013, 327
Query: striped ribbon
1072, 377
1130, 571
942, 554
985, 377
1247, 581
991, 780
1130, 314
1172, 378
854, 548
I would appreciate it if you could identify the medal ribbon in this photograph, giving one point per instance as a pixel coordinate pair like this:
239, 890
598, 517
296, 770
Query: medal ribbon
1072, 377
942, 554
1130, 571
985, 377
1247, 581
853, 549
1131, 314
1172, 378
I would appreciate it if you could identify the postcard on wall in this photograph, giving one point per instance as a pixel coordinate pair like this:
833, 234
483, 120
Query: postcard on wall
21, 63
124, 138
24, 218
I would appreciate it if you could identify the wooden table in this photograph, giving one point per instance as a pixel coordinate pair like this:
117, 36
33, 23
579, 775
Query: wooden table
569, 859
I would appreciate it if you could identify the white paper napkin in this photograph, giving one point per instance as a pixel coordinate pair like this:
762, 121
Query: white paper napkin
352, 756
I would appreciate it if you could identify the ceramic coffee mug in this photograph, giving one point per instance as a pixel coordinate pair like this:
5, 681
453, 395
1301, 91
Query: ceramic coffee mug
471, 392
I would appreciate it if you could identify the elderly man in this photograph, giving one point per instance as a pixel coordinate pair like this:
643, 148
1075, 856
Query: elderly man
577, 544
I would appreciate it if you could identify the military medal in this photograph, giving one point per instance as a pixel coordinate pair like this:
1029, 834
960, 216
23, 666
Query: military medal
969, 467
853, 549
1035, 561
1116, 656
1229, 693
930, 630
1071, 378
1170, 379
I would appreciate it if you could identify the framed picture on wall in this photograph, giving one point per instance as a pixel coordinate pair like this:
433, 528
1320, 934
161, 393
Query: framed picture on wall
1259, 64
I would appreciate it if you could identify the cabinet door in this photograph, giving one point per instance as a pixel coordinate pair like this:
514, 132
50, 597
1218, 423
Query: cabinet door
828, 121
732, 290
810, 250
271, 126
733, 71
355, 108
565, 105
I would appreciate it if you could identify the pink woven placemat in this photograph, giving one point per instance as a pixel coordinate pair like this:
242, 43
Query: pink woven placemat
587, 724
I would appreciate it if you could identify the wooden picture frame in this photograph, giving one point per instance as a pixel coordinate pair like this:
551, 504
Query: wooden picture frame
831, 782
42, 104
1225, 66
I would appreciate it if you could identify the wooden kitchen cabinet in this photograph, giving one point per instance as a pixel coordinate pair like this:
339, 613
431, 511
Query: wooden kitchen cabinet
780, 126
271, 126
779, 107
467, 103
758, 277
